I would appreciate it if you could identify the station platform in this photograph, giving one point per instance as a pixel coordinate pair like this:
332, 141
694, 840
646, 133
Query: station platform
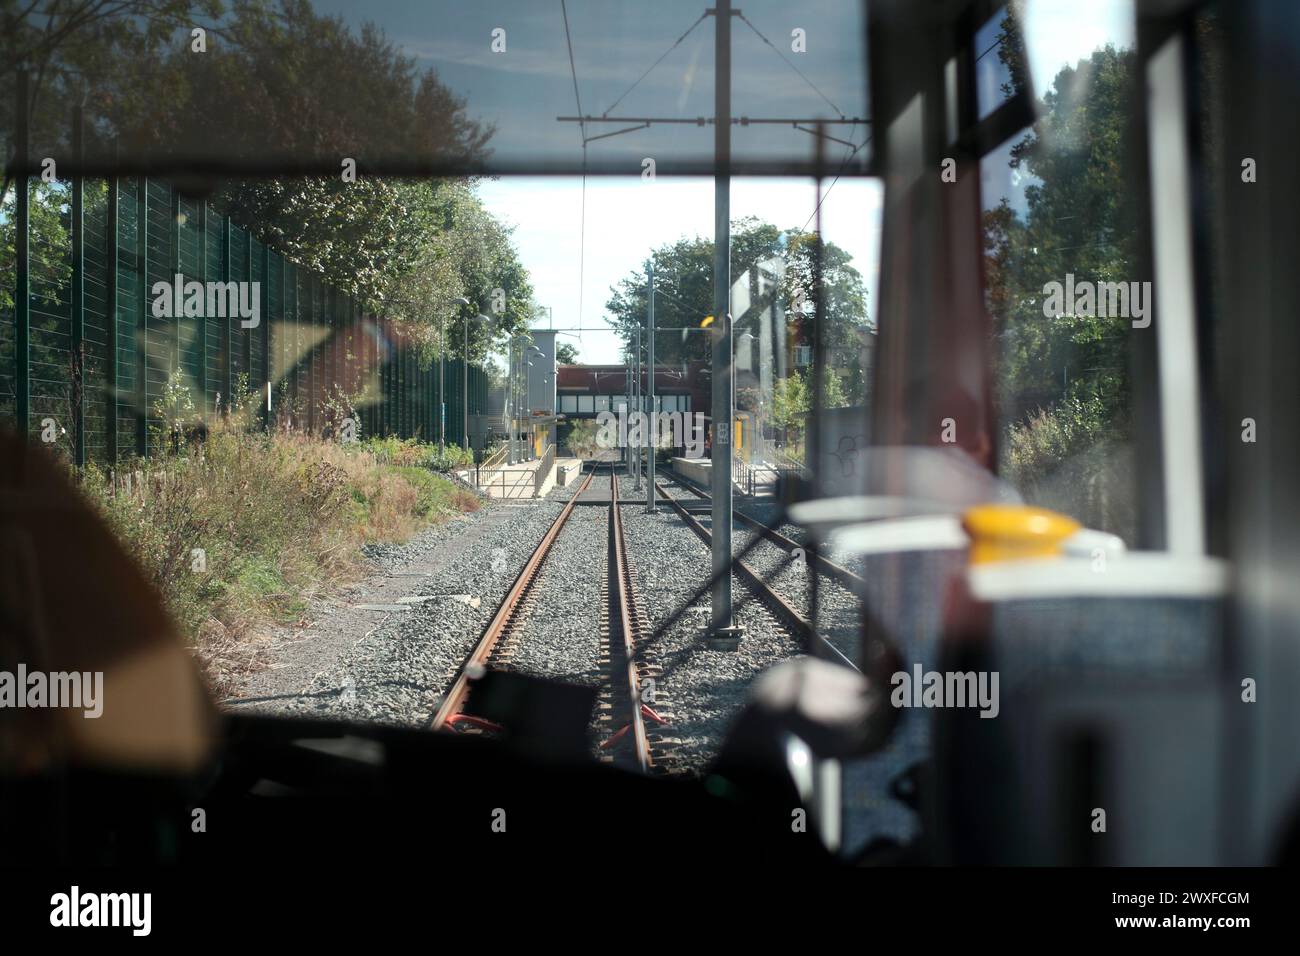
524, 479
700, 471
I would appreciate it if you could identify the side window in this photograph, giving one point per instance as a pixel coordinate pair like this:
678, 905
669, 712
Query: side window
1061, 276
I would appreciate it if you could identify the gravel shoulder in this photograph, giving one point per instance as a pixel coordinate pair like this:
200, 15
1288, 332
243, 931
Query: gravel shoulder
388, 648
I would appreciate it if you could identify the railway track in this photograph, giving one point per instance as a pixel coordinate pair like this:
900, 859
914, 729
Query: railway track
839, 573
623, 714
624, 625
785, 612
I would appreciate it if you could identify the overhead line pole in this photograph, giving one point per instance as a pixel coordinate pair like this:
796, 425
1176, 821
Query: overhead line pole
654, 417
640, 406
723, 632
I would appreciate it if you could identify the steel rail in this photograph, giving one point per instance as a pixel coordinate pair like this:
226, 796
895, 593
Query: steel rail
622, 574
784, 611
454, 702
851, 580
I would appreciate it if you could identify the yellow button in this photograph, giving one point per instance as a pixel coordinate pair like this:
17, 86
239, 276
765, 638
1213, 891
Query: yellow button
1015, 532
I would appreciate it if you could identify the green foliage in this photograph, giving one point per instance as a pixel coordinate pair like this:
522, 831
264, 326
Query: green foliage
49, 233
684, 290
1063, 382
268, 87
411, 453
459, 251
1079, 221
449, 457
792, 400
566, 353
790, 403
268, 84
579, 435
1048, 437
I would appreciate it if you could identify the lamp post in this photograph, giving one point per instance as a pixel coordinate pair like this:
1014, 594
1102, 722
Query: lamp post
512, 392
526, 362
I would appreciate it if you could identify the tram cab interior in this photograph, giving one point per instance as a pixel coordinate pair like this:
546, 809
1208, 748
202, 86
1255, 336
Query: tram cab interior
1099, 508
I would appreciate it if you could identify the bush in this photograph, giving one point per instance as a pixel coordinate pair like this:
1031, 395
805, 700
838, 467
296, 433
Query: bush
1076, 458
1039, 445
579, 435
412, 453
276, 520
449, 457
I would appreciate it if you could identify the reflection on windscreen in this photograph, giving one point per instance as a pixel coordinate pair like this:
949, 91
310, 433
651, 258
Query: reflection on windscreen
419, 85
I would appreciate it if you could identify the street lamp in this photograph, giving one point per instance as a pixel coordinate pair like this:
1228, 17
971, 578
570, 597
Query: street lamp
517, 372
526, 362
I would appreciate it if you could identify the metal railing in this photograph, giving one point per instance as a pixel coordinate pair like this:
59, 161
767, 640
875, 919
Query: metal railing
508, 480
544, 469
743, 475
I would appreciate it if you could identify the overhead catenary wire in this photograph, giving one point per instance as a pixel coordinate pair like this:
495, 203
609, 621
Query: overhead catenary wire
843, 165
650, 69
786, 59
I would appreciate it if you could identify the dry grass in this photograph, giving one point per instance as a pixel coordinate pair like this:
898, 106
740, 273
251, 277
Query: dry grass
279, 520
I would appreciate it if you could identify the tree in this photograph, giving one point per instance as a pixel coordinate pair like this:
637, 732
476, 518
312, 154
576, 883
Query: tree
1064, 388
792, 400
790, 403
1079, 221
73, 51
266, 89
459, 251
566, 353
684, 290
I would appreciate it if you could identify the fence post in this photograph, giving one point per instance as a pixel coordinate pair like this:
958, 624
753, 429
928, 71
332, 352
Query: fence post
174, 234
77, 337
246, 335
264, 311
22, 249
227, 354
142, 318
381, 377
311, 356
329, 302
203, 319
297, 345
110, 296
